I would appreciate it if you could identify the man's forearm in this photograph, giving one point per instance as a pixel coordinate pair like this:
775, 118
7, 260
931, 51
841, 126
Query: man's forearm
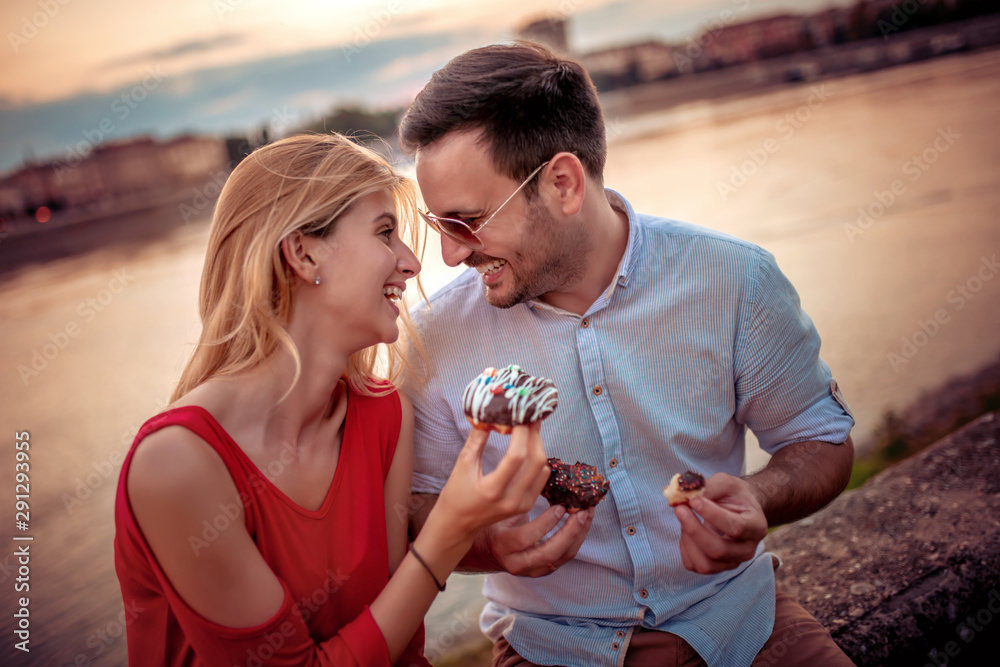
801, 478
478, 560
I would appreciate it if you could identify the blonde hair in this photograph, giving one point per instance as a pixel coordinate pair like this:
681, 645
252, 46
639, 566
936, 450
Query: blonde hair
305, 183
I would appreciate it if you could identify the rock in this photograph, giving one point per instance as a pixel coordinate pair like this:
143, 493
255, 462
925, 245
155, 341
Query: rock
861, 588
906, 569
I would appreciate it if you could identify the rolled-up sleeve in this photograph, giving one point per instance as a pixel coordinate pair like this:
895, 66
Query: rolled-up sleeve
785, 392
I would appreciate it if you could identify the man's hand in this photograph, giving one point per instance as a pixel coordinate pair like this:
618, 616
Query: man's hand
513, 545
734, 524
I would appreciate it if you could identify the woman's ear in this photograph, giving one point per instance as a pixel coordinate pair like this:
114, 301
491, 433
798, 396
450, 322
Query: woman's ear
569, 179
295, 247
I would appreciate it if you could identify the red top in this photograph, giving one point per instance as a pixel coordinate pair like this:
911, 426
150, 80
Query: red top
332, 562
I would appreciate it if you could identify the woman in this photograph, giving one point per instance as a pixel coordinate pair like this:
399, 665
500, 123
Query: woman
260, 518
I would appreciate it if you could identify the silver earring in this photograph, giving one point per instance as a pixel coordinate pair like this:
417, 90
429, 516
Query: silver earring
316, 280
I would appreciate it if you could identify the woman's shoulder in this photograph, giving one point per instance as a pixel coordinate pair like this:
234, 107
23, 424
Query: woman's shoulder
172, 462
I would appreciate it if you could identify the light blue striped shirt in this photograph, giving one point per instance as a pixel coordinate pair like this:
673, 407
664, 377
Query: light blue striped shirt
699, 337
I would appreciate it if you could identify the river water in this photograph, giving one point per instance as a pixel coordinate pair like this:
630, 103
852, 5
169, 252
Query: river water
877, 193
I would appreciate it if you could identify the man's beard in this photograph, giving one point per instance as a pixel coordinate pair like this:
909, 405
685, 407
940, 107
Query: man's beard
552, 258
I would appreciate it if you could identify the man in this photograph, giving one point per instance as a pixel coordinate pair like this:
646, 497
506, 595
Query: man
666, 342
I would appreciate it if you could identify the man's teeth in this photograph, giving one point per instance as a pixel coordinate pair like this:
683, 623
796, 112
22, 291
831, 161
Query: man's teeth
394, 294
491, 267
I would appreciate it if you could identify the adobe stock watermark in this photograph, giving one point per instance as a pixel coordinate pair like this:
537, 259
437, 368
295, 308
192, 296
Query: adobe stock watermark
59, 340
205, 195
31, 25
565, 9
958, 298
971, 627
363, 35
121, 108
446, 639
774, 653
710, 31
106, 469
915, 168
102, 638
223, 7
272, 642
213, 528
901, 13
787, 126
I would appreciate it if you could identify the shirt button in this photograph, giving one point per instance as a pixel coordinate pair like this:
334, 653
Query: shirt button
620, 633
585, 323
631, 530
613, 463
644, 594
597, 390
622, 280
614, 647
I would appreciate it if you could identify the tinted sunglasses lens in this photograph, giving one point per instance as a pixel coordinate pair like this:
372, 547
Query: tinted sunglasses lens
453, 228
457, 230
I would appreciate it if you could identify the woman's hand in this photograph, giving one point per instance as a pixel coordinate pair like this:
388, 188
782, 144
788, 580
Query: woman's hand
470, 500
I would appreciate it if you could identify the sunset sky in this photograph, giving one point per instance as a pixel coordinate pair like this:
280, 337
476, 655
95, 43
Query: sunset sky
69, 68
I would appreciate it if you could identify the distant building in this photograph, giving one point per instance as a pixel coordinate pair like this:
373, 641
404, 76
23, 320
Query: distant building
116, 171
630, 64
192, 158
754, 40
132, 166
549, 31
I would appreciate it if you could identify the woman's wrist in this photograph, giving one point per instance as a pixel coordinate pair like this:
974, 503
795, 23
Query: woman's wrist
441, 548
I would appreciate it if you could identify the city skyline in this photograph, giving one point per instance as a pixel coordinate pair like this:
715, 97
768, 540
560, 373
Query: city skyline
251, 64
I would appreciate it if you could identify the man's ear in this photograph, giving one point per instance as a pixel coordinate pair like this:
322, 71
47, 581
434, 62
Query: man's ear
567, 176
295, 247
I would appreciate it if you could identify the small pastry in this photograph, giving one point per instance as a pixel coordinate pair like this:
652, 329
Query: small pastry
684, 487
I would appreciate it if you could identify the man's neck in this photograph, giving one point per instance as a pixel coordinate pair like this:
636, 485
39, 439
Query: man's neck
608, 230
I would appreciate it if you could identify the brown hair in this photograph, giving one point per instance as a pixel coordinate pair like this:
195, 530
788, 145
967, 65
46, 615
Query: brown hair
304, 183
529, 103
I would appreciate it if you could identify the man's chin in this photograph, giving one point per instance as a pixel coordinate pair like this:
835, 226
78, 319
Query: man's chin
501, 298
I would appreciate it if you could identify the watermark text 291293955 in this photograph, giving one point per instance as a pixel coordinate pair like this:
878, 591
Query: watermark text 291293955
22, 550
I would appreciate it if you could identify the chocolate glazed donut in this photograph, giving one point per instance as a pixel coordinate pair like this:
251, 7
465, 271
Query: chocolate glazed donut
499, 400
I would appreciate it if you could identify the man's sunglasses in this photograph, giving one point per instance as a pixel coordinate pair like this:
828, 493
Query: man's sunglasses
466, 232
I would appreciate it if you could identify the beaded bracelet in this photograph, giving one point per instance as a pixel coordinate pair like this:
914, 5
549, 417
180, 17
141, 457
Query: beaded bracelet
421, 561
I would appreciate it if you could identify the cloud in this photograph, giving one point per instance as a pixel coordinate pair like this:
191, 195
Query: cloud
179, 50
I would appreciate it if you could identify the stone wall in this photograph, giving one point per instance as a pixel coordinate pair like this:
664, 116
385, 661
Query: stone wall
906, 569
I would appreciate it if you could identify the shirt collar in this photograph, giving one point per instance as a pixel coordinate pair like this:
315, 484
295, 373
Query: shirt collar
628, 262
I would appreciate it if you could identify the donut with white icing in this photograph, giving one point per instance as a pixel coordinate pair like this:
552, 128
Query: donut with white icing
500, 399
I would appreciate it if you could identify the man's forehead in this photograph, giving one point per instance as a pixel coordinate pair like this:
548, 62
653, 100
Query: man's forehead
457, 147
454, 171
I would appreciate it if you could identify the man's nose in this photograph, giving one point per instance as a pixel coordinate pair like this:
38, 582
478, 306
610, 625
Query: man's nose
453, 252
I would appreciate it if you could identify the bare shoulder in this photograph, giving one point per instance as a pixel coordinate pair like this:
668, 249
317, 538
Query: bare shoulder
175, 465
192, 517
